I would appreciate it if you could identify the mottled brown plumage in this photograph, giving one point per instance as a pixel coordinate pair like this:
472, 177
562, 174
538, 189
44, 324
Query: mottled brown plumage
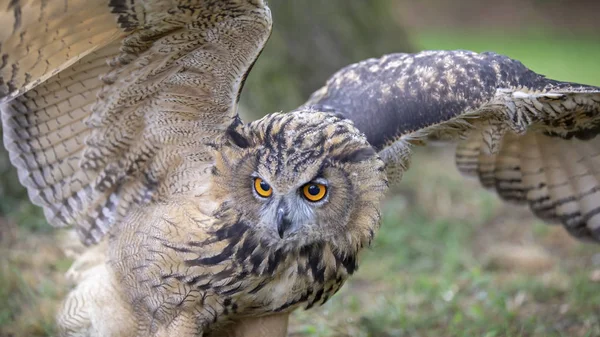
148, 148
219, 254
121, 117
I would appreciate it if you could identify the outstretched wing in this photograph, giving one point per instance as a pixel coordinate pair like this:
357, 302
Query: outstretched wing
530, 138
109, 104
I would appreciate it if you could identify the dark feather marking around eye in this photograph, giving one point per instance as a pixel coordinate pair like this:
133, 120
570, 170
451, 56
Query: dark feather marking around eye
356, 156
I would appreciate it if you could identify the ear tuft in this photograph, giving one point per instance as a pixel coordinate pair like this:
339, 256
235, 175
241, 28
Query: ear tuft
234, 134
237, 139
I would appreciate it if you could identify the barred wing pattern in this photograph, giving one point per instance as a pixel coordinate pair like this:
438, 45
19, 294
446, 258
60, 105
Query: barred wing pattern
108, 104
530, 138
41, 38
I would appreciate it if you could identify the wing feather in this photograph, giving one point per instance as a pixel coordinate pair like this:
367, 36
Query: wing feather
531, 139
125, 120
47, 37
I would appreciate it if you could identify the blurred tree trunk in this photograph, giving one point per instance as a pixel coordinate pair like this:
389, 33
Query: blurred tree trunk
311, 40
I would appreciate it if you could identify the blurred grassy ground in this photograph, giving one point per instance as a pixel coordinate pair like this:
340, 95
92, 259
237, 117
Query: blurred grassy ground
450, 259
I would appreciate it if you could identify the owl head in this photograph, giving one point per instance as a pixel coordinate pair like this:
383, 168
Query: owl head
300, 178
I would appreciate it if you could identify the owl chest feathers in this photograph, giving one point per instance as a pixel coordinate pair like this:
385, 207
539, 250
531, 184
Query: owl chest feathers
184, 257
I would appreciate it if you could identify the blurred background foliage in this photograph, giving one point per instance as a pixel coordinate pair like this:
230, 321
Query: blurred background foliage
450, 259
313, 39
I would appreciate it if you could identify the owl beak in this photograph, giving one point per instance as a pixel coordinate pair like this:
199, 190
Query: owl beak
283, 223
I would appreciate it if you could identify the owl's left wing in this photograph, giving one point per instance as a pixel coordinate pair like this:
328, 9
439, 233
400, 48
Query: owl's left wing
107, 105
532, 139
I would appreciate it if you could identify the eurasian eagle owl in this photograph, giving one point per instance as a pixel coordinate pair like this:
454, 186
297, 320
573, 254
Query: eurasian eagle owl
121, 117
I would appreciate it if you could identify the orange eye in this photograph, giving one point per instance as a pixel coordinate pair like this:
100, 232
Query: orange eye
314, 192
262, 188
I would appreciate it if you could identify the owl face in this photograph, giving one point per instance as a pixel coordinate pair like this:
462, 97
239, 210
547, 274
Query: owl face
302, 178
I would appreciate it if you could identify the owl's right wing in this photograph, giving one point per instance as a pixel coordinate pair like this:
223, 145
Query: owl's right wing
108, 104
532, 139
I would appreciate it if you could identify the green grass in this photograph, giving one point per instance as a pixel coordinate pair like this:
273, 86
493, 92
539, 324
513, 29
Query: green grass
32, 280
